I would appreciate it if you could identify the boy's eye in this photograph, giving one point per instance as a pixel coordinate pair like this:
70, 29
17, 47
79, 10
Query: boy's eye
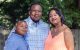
21, 26
26, 27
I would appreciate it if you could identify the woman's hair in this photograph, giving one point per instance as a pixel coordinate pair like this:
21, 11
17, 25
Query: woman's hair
58, 12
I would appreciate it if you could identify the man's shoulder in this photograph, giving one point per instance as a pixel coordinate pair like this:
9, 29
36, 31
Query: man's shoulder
27, 19
44, 23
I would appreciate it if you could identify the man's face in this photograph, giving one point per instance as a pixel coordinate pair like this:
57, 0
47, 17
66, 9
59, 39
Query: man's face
21, 28
35, 12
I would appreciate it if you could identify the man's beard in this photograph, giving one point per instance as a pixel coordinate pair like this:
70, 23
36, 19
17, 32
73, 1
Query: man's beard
36, 21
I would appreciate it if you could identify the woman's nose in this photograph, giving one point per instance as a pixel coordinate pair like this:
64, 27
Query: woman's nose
53, 17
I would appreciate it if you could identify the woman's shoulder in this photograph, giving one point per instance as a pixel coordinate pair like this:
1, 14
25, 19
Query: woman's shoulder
67, 30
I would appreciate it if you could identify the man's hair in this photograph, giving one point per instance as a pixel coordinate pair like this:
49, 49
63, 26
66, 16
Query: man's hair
36, 3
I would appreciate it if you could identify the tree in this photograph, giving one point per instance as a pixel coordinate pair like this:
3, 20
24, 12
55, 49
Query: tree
18, 9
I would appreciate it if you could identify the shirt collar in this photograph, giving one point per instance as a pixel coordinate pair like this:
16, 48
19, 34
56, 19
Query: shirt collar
31, 22
18, 35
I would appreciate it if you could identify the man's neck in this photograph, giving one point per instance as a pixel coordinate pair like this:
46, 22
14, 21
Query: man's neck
35, 21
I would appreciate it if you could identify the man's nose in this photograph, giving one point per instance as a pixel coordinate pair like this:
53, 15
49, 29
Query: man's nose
37, 12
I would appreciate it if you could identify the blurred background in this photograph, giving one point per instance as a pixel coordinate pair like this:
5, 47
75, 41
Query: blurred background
12, 10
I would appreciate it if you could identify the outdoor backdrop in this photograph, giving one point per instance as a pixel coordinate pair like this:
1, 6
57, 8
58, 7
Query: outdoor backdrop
12, 10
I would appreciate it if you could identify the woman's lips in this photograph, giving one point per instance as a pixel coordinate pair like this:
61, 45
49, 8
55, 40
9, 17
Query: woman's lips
53, 19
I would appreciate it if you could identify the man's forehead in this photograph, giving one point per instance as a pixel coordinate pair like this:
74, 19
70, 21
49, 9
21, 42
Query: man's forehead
36, 5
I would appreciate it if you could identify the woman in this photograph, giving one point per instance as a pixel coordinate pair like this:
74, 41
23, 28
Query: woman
60, 37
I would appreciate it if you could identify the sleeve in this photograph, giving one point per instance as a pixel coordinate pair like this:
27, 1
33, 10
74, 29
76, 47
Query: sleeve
47, 28
10, 45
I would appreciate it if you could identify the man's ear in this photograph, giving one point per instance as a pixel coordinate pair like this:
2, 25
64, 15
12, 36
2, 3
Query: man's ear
29, 12
16, 24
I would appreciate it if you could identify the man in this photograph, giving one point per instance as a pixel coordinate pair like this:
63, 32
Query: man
17, 41
37, 29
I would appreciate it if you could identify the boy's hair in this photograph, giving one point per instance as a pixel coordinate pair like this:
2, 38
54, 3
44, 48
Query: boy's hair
20, 21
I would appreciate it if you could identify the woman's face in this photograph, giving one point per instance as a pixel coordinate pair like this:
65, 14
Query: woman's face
54, 17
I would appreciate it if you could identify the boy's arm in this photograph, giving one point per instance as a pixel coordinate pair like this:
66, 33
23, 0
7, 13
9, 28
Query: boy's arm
13, 30
10, 45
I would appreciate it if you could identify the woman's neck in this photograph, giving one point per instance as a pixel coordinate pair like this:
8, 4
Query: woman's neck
59, 25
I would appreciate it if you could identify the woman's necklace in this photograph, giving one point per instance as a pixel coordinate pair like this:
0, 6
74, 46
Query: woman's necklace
56, 31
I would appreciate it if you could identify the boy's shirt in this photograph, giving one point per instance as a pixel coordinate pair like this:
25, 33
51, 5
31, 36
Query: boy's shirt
16, 42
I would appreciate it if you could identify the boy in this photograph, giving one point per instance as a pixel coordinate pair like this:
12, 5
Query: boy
17, 41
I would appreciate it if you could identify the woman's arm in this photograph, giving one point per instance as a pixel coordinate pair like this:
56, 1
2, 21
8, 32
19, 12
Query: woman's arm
69, 40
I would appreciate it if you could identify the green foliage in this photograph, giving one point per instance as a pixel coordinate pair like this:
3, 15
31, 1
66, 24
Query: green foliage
10, 11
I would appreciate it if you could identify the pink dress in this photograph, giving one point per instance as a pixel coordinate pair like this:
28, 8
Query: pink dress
55, 43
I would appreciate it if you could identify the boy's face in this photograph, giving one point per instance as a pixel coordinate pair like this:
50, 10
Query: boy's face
21, 28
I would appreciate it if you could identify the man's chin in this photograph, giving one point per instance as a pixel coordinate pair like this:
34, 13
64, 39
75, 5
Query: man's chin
36, 21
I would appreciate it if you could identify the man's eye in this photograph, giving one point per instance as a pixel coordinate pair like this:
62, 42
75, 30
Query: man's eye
39, 11
33, 10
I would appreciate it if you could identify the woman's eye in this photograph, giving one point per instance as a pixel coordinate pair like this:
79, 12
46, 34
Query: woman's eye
26, 27
55, 15
50, 15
